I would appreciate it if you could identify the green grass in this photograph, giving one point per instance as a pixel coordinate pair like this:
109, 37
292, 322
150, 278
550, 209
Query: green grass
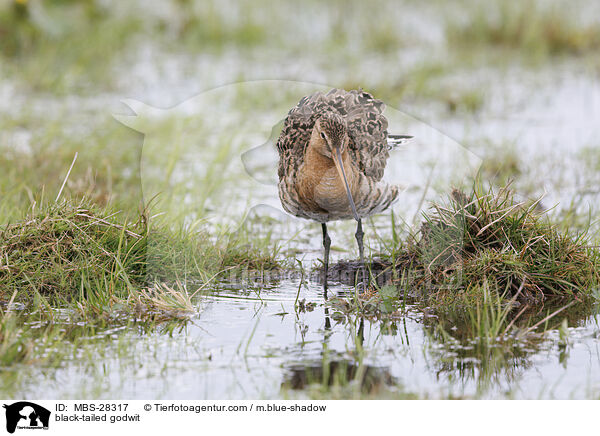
494, 266
81, 259
485, 240
77, 251
532, 28
469, 101
63, 47
590, 158
106, 170
31, 340
57, 251
104, 269
501, 164
208, 27
423, 82
493, 342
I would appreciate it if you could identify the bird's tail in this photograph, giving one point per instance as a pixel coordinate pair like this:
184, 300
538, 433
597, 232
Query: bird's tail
396, 140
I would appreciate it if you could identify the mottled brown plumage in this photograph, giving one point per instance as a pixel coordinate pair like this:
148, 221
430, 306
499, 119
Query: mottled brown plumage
333, 149
309, 186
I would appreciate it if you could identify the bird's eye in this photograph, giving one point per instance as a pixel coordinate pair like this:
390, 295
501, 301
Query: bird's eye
322, 135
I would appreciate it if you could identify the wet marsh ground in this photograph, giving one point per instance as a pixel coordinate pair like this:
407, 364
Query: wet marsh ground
146, 279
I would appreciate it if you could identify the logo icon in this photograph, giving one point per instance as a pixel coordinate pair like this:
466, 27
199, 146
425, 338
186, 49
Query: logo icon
26, 415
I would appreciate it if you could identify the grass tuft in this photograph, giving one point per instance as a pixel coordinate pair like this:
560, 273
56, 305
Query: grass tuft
61, 248
76, 251
486, 244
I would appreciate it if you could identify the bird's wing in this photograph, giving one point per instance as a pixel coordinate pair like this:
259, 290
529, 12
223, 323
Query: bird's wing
367, 127
295, 134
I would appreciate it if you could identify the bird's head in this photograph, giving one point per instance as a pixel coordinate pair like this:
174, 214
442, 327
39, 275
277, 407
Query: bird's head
330, 138
330, 134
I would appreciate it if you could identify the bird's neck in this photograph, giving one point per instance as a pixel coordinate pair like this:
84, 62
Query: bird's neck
317, 162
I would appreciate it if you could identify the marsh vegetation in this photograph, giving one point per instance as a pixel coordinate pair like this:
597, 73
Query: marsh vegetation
131, 267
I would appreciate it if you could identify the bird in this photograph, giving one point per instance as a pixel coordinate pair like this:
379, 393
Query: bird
333, 149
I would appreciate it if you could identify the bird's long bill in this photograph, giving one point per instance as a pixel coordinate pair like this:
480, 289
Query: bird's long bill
339, 165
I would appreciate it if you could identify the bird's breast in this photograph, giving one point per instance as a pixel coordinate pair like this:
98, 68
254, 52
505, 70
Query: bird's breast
330, 192
320, 186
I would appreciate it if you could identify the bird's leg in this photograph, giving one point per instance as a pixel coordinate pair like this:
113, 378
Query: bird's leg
360, 336
359, 238
326, 245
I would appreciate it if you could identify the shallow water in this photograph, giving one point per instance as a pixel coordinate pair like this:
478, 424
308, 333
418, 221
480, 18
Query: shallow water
248, 343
